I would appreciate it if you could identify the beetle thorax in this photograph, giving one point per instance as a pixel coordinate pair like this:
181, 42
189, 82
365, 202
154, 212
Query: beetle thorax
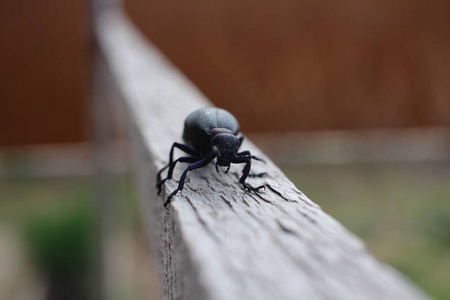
224, 146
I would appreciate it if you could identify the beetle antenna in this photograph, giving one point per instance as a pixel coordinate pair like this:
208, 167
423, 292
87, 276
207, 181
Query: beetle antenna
228, 169
217, 168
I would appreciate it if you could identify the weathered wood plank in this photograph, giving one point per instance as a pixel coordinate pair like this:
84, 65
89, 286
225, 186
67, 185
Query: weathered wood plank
216, 241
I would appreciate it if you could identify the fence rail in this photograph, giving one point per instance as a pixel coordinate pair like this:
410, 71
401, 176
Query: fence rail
216, 241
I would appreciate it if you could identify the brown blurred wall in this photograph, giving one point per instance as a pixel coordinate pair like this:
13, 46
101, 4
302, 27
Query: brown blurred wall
308, 65
43, 52
277, 65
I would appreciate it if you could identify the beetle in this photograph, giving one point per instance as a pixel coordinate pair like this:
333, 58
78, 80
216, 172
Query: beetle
209, 133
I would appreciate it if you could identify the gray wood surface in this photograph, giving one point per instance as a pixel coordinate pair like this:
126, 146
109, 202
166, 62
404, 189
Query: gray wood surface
216, 241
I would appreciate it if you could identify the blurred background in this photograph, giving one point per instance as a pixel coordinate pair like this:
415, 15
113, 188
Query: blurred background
351, 99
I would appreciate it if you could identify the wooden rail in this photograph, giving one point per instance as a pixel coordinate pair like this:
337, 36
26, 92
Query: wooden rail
216, 241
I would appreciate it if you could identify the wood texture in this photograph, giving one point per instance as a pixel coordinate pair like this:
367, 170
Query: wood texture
216, 241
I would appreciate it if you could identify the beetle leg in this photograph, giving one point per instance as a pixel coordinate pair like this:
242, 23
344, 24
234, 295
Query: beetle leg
258, 174
248, 154
196, 165
226, 171
182, 147
160, 181
243, 153
246, 172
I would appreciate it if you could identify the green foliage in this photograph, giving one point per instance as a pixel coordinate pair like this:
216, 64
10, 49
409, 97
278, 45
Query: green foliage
56, 219
437, 227
402, 212
61, 242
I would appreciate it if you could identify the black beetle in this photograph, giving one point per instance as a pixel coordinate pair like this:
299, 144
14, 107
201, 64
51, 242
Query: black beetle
209, 133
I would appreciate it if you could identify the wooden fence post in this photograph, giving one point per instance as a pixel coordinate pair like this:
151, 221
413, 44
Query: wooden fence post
216, 241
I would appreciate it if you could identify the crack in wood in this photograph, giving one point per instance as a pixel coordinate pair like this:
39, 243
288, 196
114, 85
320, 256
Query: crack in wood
259, 195
253, 197
279, 193
287, 229
204, 224
227, 202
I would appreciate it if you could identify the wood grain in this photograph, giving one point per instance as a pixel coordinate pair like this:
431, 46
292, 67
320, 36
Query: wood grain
216, 241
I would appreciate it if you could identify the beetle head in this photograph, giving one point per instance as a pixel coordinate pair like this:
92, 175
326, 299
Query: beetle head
224, 147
